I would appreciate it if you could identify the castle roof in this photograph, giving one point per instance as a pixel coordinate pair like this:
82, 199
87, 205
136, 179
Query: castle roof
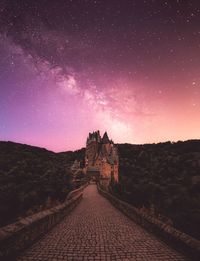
105, 138
94, 136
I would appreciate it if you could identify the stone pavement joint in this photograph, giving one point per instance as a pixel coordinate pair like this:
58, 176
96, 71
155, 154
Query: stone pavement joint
95, 230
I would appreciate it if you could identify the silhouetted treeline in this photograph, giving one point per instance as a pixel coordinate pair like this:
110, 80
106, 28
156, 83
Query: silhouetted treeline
32, 179
163, 179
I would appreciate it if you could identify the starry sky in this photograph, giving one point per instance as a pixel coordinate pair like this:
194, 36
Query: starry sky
128, 67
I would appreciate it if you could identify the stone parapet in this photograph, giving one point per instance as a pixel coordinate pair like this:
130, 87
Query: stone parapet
177, 239
17, 236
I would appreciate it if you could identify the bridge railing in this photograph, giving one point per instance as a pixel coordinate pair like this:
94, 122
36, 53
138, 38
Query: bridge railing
17, 236
177, 239
75, 192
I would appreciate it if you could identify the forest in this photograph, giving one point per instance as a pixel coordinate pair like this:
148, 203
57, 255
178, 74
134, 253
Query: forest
32, 179
160, 179
164, 180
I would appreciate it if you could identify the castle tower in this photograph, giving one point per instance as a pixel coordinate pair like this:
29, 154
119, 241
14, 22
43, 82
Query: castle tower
92, 147
106, 144
105, 138
101, 157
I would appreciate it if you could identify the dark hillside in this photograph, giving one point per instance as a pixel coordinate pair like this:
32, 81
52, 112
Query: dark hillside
31, 179
163, 179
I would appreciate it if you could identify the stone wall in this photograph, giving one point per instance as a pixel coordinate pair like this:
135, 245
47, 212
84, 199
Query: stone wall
18, 236
177, 239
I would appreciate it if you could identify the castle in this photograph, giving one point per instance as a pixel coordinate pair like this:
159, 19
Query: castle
101, 157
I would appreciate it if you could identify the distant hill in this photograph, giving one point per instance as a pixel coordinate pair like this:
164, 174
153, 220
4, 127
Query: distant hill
163, 178
32, 178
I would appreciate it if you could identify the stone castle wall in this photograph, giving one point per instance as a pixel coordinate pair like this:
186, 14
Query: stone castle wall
101, 154
177, 239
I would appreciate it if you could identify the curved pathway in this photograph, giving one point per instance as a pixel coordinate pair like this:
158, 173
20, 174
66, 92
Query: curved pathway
95, 230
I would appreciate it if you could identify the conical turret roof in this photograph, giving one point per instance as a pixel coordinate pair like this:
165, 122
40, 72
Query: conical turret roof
105, 138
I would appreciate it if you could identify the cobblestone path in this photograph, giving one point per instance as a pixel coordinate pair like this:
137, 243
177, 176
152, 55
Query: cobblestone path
95, 230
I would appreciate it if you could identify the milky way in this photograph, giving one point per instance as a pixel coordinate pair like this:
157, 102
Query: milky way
70, 67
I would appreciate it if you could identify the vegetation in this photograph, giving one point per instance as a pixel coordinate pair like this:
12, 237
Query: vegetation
163, 179
32, 179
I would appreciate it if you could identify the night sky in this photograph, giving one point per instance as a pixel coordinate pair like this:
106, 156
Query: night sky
70, 67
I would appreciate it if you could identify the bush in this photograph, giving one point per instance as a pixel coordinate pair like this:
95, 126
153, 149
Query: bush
165, 175
30, 177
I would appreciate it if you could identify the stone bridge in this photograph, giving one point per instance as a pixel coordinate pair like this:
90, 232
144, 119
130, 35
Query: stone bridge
96, 230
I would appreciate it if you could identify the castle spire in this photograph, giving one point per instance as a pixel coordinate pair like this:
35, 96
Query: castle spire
105, 139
